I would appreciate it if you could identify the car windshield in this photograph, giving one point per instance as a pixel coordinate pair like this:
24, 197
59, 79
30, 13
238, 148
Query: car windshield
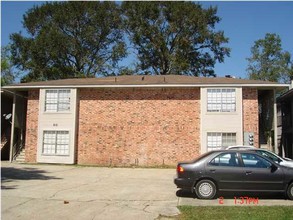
270, 155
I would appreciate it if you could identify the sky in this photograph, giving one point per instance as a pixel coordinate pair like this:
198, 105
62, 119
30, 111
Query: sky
242, 22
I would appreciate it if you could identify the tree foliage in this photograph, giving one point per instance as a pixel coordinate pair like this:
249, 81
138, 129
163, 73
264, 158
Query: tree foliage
175, 37
69, 39
85, 39
268, 61
7, 74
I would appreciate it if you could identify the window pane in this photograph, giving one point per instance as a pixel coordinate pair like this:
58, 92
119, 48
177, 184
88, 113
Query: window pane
51, 100
228, 139
62, 143
226, 159
269, 155
57, 100
254, 161
49, 142
221, 100
56, 142
216, 140
64, 100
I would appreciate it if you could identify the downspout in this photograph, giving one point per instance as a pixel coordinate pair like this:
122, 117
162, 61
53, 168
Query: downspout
12, 129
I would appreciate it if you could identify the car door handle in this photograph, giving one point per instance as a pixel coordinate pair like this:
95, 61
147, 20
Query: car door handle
213, 171
248, 172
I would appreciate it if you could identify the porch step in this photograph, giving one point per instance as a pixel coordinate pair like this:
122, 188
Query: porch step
20, 158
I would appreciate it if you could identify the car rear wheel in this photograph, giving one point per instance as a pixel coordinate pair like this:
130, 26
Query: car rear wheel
205, 189
290, 191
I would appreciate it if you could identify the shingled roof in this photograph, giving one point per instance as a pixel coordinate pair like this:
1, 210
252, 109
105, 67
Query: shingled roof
145, 81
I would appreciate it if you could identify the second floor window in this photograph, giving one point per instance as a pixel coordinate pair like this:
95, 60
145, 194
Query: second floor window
221, 100
57, 100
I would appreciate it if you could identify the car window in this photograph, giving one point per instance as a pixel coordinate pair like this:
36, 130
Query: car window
202, 156
225, 159
252, 160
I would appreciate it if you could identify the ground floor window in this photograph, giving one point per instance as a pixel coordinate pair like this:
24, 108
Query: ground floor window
218, 140
56, 143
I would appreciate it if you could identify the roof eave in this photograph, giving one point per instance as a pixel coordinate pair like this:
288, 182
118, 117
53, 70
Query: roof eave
147, 86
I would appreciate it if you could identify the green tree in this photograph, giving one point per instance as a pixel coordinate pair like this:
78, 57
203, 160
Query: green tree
268, 61
287, 68
174, 37
69, 39
7, 74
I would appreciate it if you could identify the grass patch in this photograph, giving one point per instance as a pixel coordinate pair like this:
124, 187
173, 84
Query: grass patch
239, 213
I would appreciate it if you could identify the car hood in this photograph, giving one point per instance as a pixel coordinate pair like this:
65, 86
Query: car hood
287, 163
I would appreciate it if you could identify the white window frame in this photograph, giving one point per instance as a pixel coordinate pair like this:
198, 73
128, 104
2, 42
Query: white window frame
219, 140
59, 103
55, 143
221, 100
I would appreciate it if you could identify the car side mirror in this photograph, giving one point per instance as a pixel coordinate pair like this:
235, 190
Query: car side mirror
273, 168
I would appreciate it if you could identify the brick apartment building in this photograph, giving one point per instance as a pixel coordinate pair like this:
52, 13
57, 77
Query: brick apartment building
139, 120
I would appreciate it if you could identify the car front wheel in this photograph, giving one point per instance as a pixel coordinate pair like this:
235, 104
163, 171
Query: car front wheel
290, 191
205, 189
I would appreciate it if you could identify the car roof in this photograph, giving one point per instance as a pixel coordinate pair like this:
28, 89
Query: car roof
239, 147
244, 146
234, 150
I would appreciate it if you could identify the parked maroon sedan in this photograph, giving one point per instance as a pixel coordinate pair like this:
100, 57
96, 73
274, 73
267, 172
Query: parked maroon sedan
234, 171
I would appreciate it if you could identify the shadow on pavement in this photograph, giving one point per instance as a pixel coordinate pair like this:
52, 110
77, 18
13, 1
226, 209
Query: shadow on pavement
9, 174
230, 195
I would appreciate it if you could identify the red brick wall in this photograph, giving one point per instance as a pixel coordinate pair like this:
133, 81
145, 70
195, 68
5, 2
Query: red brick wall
144, 126
250, 113
31, 141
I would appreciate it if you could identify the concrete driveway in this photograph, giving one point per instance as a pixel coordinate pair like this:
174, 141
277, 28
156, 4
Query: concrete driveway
71, 192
